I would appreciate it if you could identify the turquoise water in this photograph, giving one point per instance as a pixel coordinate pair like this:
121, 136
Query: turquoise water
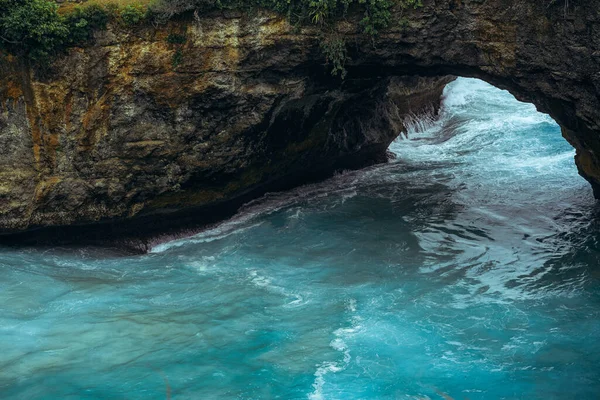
466, 269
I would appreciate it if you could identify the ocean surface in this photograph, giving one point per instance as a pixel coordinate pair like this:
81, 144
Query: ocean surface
467, 268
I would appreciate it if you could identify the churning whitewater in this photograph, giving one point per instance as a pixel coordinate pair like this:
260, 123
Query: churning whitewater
467, 268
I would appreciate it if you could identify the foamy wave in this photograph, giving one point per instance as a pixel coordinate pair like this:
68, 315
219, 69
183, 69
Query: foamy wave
295, 299
338, 344
415, 124
210, 235
324, 369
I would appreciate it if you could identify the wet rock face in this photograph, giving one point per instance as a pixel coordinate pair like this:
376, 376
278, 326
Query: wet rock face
142, 130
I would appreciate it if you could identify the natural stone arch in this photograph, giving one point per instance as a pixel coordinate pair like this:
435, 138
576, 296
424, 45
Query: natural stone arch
537, 52
118, 134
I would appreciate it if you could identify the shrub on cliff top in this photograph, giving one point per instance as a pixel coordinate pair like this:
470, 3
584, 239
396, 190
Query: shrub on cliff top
36, 30
83, 21
132, 14
31, 27
376, 12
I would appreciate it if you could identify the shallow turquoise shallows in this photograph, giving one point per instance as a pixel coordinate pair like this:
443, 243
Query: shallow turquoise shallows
469, 268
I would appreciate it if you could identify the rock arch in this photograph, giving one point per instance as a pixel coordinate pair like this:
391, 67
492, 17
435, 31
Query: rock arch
535, 49
121, 139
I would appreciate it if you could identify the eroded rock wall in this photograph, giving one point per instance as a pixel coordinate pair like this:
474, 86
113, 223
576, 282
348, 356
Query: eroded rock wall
119, 130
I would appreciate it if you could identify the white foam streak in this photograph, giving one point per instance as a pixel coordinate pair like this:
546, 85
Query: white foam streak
338, 344
296, 299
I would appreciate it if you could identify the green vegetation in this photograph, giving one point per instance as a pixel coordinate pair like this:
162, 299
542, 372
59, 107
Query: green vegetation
133, 14
321, 12
177, 58
38, 29
177, 41
83, 21
31, 27
334, 48
175, 38
376, 16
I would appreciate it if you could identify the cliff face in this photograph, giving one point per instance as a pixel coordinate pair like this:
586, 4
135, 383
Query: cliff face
138, 128
134, 126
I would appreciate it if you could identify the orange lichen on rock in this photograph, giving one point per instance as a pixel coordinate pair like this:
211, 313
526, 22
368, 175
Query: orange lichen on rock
12, 90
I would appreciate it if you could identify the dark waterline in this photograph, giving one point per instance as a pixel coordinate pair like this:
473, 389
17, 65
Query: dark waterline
466, 269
